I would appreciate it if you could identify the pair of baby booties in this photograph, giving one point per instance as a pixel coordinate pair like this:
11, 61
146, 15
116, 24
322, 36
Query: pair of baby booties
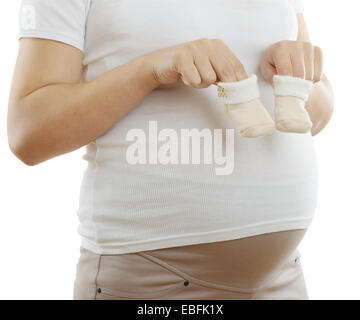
243, 107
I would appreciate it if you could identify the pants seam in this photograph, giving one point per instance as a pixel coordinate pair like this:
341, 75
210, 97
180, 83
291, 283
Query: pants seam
196, 280
96, 277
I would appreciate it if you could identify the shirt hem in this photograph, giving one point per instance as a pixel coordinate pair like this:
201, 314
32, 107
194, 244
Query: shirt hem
51, 36
207, 237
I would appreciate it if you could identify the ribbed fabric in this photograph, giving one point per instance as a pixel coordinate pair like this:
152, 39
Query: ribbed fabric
298, 5
127, 208
63, 21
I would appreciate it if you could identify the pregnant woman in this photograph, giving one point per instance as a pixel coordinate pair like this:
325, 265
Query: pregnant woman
89, 72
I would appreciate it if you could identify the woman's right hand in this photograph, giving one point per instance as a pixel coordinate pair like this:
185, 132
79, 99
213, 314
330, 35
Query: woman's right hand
198, 64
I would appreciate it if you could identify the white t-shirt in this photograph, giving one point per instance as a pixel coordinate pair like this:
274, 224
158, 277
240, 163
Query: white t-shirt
126, 207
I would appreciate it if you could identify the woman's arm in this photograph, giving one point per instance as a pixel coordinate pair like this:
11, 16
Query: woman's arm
320, 105
51, 113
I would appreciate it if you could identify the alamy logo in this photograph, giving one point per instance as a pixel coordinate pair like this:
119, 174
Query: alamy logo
28, 17
179, 150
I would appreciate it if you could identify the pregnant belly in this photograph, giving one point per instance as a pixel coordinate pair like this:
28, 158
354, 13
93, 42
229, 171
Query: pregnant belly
246, 263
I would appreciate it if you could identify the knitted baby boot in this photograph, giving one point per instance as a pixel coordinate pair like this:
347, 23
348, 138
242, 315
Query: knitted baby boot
291, 94
243, 107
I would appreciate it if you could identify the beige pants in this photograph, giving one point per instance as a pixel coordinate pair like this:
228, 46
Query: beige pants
183, 273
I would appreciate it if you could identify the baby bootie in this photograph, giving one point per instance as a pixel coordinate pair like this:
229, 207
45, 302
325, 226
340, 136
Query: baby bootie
243, 107
291, 95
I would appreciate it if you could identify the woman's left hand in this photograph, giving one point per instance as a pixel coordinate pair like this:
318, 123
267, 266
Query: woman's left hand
292, 58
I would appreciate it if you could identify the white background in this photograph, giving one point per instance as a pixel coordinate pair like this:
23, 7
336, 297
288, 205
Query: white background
39, 244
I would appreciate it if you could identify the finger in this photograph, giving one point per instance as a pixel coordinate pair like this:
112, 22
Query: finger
239, 70
267, 69
206, 71
297, 61
309, 61
282, 61
318, 64
223, 68
189, 73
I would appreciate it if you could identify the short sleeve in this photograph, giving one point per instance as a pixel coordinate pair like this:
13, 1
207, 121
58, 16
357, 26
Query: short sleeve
297, 5
60, 20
